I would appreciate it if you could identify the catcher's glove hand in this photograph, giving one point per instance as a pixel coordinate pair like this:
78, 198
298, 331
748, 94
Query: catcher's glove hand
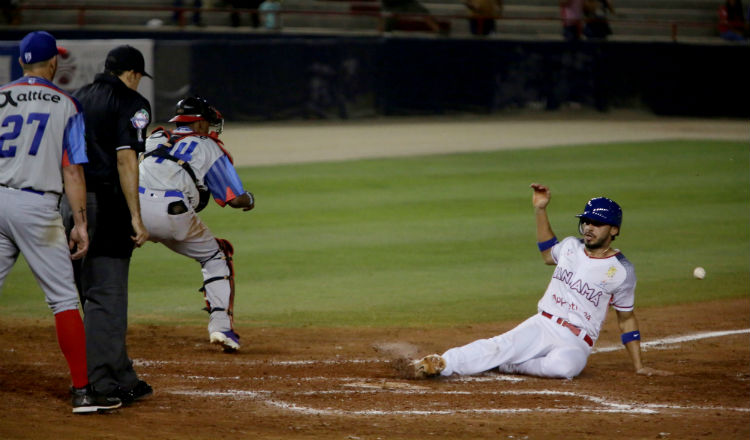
251, 204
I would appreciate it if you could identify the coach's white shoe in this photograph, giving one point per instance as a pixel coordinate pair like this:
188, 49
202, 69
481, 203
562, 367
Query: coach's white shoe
428, 366
229, 340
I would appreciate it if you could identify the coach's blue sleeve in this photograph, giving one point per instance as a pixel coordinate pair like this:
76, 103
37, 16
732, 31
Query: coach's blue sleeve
74, 140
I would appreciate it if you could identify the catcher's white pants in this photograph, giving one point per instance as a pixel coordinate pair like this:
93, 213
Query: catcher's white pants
536, 347
186, 234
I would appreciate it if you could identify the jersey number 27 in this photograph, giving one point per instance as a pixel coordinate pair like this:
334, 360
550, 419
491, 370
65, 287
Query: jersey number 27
17, 124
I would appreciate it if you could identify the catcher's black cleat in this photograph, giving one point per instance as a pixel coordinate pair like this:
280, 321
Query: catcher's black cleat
86, 401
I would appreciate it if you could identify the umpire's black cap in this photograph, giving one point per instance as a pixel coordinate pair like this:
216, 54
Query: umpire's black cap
126, 58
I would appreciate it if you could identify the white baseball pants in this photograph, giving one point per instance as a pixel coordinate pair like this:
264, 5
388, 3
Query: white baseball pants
186, 234
536, 347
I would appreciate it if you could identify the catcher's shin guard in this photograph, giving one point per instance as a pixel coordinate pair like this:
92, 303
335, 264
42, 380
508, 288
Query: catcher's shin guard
228, 250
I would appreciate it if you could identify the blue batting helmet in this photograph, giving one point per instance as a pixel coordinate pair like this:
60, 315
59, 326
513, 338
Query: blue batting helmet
603, 210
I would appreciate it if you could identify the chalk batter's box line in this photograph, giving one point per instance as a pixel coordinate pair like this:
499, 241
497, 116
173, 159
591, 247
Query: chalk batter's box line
669, 342
605, 406
656, 344
488, 377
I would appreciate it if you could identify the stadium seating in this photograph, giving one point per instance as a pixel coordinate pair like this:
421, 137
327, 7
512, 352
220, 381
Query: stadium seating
526, 19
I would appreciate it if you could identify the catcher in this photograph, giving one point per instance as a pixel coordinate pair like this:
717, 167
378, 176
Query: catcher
178, 172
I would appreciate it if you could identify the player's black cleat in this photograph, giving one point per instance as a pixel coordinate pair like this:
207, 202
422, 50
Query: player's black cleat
141, 390
86, 401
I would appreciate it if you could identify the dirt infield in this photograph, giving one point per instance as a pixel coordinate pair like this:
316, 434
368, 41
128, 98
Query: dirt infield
331, 383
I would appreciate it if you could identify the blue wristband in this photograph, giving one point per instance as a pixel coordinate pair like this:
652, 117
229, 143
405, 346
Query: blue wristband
544, 245
630, 337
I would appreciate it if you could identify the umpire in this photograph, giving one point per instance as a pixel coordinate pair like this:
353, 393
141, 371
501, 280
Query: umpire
116, 120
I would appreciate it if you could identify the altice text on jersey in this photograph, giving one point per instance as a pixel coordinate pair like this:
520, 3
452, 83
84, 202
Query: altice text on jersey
27, 97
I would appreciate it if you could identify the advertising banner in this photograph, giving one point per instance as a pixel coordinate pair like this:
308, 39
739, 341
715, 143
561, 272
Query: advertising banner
85, 58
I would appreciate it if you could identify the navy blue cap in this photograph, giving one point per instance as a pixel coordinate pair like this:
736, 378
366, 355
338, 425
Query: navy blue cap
603, 210
39, 46
126, 58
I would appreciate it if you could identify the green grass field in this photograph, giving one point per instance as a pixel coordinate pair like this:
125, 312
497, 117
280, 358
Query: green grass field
449, 239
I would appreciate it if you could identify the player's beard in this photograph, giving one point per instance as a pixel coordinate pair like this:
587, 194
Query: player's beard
594, 244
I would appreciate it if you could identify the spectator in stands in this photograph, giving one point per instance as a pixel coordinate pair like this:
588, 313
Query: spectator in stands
234, 16
732, 24
483, 15
271, 17
597, 22
571, 14
407, 7
11, 13
197, 4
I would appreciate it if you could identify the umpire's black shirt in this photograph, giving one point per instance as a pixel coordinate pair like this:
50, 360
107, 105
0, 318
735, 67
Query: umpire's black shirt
116, 117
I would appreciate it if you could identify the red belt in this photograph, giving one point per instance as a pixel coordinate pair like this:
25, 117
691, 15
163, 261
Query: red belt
575, 330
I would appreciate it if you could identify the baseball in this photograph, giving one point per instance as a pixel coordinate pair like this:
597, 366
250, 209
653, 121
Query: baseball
699, 273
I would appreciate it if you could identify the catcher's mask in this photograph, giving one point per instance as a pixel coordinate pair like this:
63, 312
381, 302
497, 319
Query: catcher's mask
196, 108
602, 210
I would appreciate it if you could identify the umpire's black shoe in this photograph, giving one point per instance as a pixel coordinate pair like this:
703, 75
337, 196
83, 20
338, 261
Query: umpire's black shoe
141, 390
86, 401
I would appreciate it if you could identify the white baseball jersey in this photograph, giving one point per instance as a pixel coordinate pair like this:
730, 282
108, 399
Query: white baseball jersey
207, 159
580, 292
41, 130
582, 288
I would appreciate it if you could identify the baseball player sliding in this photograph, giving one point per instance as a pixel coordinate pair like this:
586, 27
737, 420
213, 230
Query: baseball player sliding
178, 172
556, 342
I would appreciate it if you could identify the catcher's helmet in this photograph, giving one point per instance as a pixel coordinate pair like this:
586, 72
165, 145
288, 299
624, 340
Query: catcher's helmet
196, 108
602, 209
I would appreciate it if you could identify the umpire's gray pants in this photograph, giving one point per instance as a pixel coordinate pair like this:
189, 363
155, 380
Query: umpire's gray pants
105, 289
103, 286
